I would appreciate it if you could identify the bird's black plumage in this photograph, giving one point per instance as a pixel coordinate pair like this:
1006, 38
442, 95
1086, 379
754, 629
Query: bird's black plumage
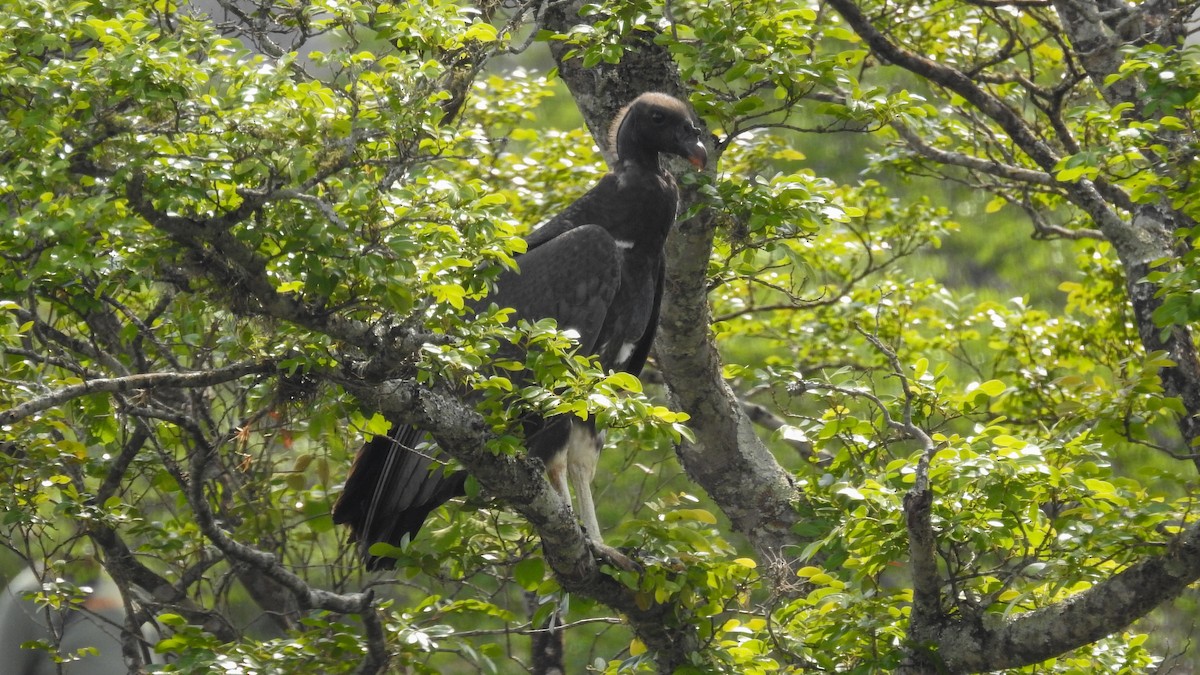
597, 268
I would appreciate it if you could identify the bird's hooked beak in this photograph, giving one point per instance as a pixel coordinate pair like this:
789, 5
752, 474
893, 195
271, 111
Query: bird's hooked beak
696, 153
689, 146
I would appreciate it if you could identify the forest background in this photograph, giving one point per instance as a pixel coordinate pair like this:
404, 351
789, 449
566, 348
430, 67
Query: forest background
924, 398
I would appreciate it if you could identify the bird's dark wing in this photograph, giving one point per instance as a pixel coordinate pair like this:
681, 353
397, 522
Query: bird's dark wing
592, 208
641, 352
571, 278
393, 486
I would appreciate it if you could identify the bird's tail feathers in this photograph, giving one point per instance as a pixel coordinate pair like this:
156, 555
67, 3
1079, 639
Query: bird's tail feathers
395, 482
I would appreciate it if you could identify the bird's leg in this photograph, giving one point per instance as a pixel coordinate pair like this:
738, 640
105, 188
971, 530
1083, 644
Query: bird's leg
583, 451
556, 472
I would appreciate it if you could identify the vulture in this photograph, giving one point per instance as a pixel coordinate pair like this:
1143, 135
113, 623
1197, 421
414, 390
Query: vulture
596, 268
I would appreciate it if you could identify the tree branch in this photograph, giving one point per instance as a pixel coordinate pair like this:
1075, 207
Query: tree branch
927, 614
1081, 619
1089, 195
308, 597
50, 334
987, 166
236, 266
1098, 49
128, 383
968, 645
519, 481
124, 567
1140, 244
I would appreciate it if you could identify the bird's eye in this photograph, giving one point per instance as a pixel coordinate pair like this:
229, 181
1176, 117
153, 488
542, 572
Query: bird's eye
658, 117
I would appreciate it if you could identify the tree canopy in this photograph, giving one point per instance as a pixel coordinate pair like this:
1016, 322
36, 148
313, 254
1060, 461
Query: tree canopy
236, 240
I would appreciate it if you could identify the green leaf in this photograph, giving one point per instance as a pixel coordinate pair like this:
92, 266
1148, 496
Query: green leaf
920, 368
377, 425
481, 32
700, 515
529, 573
625, 381
992, 388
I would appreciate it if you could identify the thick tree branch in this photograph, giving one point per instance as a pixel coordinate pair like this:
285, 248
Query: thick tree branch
954, 80
1098, 48
1099, 39
1183, 378
970, 644
236, 266
519, 482
974, 645
728, 459
124, 567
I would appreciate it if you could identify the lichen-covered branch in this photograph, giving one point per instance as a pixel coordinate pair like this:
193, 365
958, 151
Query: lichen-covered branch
972, 644
519, 482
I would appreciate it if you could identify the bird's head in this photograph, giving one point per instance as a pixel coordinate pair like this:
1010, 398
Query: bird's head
655, 123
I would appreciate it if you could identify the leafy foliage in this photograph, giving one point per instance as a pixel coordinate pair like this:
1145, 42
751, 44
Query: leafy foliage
271, 235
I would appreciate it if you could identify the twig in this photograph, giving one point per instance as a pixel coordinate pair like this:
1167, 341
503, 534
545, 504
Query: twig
918, 501
266, 563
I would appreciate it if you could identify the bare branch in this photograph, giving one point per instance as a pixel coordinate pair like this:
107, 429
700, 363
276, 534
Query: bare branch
987, 166
130, 383
266, 563
1043, 229
918, 503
